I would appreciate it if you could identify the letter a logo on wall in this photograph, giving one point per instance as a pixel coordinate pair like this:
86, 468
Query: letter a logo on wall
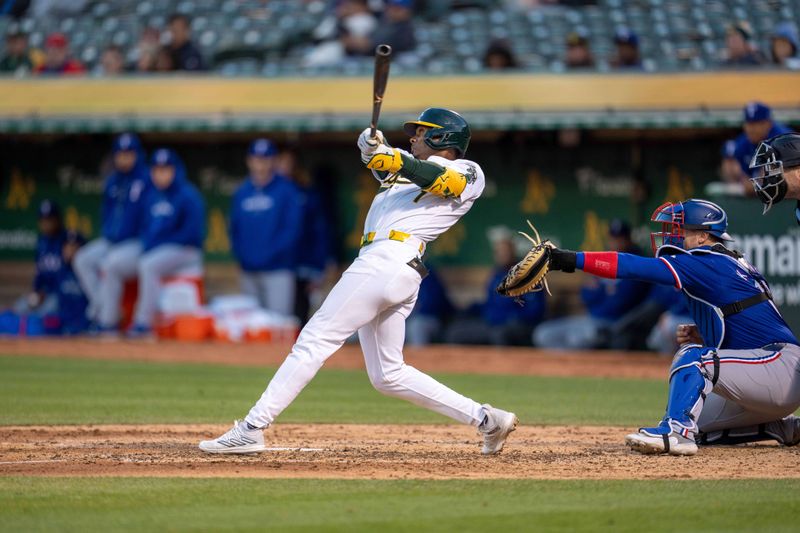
679, 187
595, 231
539, 191
217, 240
20, 191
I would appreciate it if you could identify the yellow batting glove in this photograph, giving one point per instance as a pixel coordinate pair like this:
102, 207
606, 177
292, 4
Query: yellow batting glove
385, 159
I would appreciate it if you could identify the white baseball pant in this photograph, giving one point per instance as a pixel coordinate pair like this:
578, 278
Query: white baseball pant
374, 297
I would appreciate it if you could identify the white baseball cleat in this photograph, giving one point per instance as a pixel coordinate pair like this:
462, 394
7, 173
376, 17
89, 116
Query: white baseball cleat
238, 440
672, 443
496, 428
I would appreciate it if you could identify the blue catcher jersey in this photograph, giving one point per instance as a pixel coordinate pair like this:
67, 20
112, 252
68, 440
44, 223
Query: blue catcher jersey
711, 278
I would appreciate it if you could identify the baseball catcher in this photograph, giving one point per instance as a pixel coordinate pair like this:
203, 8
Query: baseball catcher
736, 376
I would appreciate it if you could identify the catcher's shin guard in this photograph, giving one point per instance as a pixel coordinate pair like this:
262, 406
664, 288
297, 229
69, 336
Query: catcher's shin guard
689, 383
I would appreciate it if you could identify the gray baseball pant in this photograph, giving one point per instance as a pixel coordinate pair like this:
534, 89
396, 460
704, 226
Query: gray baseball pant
753, 400
119, 265
86, 265
160, 262
274, 290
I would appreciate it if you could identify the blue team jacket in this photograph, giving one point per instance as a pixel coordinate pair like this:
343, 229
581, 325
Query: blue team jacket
48, 263
176, 215
266, 224
500, 310
432, 299
314, 247
745, 149
121, 212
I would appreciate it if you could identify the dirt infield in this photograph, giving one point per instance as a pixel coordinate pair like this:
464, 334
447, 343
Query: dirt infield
371, 452
368, 451
438, 358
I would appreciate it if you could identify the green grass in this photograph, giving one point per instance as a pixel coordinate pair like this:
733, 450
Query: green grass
71, 391
152, 504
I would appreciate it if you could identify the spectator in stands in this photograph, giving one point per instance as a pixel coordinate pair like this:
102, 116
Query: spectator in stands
606, 302
165, 60
427, 320
112, 62
499, 56
578, 55
784, 45
758, 126
627, 54
43, 299
172, 238
57, 58
314, 239
348, 32
16, 59
265, 227
185, 55
72, 302
740, 51
103, 265
396, 27
147, 50
500, 320
14, 8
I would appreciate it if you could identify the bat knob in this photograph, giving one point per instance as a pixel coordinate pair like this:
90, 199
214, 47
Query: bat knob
383, 50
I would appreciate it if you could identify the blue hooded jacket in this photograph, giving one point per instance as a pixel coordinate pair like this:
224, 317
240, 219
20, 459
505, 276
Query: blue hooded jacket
175, 215
121, 213
314, 248
48, 262
266, 224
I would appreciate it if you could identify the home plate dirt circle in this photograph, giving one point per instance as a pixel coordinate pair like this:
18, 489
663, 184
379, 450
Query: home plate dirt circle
371, 452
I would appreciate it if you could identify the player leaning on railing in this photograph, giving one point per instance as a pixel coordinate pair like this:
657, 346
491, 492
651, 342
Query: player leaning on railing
422, 194
736, 377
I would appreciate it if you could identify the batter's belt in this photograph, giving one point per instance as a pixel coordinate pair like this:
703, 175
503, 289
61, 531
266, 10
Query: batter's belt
392, 235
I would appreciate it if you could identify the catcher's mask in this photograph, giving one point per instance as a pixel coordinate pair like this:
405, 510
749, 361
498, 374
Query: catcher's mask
693, 214
770, 160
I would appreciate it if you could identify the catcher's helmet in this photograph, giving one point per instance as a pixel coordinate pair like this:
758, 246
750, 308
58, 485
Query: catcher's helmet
772, 157
690, 214
448, 129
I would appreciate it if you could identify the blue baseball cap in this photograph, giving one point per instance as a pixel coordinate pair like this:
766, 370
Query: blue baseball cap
755, 111
126, 142
48, 208
626, 36
408, 4
263, 148
164, 157
729, 149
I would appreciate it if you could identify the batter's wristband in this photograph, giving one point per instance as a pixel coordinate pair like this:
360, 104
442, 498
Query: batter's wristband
603, 264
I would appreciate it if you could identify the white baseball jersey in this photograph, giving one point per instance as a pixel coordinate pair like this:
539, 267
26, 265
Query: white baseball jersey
401, 205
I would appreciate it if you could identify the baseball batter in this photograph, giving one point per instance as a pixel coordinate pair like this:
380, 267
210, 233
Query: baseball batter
421, 195
736, 376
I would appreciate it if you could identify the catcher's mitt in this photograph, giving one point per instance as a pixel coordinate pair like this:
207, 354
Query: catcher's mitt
529, 274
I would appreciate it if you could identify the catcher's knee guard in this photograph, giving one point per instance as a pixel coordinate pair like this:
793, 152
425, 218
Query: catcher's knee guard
689, 382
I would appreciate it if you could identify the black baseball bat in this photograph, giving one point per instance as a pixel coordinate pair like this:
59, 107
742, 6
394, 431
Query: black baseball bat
383, 58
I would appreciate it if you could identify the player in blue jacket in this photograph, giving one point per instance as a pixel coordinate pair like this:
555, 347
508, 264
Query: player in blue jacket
266, 221
172, 236
758, 126
72, 302
106, 262
43, 298
737, 373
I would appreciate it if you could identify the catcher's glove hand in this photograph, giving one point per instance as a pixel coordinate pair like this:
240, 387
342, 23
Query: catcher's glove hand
529, 274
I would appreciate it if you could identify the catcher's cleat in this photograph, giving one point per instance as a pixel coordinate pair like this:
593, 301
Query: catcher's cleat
496, 428
529, 274
238, 440
655, 441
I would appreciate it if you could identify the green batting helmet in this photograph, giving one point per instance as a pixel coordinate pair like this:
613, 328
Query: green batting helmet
448, 129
